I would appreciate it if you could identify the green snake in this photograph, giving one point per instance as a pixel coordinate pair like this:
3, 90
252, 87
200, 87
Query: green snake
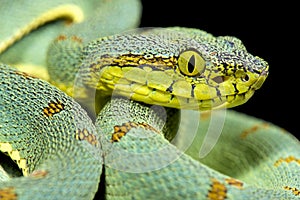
93, 108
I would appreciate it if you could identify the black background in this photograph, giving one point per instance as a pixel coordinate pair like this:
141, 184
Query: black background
267, 30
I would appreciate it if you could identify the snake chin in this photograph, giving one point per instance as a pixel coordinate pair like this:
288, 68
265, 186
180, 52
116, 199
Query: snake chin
178, 102
238, 99
241, 98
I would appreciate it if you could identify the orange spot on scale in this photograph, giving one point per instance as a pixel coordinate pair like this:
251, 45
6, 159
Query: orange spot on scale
8, 193
122, 130
39, 174
254, 129
53, 108
84, 134
205, 115
76, 39
217, 191
295, 191
234, 182
61, 38
288, 159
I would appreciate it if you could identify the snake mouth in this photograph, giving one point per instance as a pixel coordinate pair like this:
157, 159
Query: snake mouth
165, 99
204, 97
145, 94
241, 98
234, 100
227, 100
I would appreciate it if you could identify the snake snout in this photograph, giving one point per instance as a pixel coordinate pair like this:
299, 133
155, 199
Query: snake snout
260, 80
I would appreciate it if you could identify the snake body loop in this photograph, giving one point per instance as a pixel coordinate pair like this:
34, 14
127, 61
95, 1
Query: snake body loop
46, 150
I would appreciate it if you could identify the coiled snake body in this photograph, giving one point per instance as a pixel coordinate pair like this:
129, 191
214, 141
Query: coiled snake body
131, 133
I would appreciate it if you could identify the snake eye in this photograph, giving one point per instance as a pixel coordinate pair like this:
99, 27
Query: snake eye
191, 63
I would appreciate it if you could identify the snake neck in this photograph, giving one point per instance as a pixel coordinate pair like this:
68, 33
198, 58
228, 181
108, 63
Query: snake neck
120, 111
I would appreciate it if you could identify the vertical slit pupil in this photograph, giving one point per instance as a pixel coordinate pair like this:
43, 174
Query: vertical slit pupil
191, 64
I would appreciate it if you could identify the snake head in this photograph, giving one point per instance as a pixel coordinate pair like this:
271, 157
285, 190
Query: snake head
232, 71
174, 67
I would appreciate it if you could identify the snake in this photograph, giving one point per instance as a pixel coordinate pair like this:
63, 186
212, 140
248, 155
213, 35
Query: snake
94, 107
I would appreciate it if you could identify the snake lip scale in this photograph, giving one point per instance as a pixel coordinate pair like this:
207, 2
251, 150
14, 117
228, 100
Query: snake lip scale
213, 102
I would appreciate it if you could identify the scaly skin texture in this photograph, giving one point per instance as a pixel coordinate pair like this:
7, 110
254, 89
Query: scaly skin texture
61, 152
143, 164
54, 162
173, 67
